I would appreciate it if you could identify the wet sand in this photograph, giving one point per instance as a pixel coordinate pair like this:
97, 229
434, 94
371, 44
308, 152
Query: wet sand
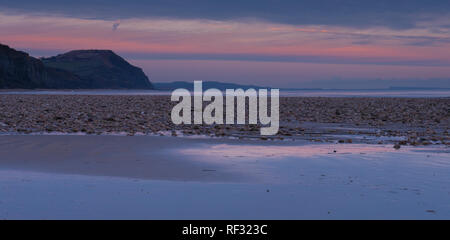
132, 157
120, 177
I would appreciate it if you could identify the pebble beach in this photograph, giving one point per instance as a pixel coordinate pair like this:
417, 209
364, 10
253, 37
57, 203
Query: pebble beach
402, 121
88, 156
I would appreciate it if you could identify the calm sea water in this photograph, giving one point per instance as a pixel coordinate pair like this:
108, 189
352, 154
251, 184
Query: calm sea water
296, 93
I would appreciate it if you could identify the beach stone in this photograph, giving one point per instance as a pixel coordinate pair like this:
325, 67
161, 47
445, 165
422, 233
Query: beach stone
418, 120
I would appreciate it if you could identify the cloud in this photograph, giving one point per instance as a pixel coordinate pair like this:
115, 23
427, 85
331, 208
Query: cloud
196, 39
263, 51
340, 60
115, 25
399, 14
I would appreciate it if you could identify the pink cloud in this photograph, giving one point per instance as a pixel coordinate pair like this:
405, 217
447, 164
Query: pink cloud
227, 37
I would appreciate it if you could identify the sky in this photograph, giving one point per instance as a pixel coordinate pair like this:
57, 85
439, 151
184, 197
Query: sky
301, 44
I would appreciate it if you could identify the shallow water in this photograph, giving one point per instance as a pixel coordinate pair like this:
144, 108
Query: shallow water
67, 177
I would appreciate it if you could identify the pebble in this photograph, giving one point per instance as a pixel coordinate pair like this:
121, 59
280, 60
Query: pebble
421, 121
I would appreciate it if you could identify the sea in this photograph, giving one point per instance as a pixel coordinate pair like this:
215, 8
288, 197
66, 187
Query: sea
284, 93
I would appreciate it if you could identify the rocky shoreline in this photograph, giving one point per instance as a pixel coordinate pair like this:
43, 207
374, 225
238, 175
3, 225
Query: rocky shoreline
402, 121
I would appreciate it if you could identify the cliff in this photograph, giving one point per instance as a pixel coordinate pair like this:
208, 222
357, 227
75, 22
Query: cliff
80, 69
100, 69
19, 70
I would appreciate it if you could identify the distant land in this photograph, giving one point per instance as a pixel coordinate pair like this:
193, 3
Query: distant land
79, 69
206, 85
170, 86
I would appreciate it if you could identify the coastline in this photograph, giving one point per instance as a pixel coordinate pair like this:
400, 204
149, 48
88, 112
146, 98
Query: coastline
88, 156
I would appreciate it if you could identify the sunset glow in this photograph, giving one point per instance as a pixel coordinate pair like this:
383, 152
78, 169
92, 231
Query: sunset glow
300, 53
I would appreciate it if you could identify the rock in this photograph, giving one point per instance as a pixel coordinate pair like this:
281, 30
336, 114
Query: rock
397, 146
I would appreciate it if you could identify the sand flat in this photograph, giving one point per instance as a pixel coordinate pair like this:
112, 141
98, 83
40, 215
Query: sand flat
133, 157
66, 177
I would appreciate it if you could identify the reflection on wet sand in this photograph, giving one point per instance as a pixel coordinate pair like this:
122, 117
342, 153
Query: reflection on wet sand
279, 152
